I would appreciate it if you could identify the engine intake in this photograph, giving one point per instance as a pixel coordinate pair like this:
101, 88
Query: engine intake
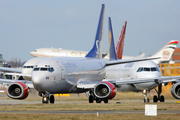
105, 90
17, 90
175, 90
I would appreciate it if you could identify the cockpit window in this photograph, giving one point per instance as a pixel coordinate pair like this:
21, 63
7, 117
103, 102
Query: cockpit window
36, 69
140, 69
148, 69
50, 69
28, 66
153, 69
43, 69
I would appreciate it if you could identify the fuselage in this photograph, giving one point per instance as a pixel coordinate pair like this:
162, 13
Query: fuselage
138, 70
62, 74
54, 52
28, 67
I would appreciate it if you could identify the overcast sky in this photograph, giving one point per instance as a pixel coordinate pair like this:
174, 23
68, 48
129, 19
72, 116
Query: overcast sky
72, 24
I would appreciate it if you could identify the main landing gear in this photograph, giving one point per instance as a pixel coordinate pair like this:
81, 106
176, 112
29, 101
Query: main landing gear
92, 98
159, 97
46, 97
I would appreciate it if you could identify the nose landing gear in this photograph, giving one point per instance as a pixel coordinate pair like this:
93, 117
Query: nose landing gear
46, 97
146, 99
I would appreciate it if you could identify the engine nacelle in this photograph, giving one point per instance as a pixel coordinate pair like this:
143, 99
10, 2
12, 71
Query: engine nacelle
175, 90
17, 90
105, 90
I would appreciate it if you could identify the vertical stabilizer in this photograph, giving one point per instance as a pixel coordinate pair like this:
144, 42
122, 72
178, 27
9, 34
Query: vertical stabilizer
96, 51
120, 42
166, 52
112, 51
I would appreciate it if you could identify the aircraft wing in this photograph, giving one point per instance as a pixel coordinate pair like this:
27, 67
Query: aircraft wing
158, 80
115, 62
87, 84
10, 69
20, 74
6, 82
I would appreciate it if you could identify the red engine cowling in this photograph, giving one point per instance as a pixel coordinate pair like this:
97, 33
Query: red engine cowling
17, 90
105, 90
175, 90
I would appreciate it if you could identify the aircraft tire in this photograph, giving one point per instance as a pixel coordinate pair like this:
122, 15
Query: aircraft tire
45, 100
91, 99
155, 98
52, 99
162, 98
148, 100
106, 101
144, 100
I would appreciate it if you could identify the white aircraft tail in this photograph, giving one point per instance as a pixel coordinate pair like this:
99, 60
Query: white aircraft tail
166, 52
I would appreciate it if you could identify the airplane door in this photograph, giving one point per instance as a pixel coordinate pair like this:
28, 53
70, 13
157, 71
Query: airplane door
62, 69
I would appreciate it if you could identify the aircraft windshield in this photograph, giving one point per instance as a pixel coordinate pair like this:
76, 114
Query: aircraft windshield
148, 69
50, 69
28, 66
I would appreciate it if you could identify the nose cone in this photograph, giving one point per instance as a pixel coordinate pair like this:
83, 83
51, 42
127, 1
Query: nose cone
148, 74
38, 81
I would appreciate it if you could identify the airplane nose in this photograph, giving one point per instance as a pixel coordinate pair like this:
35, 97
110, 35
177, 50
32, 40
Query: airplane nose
37, 80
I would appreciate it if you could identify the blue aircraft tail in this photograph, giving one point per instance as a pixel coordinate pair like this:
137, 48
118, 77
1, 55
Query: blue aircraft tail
112, 51
96, 51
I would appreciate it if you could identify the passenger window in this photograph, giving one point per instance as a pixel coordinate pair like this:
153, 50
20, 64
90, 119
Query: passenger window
24, 67
28, 66
32, 66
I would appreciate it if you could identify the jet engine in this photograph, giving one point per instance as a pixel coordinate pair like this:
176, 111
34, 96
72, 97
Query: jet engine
105, 90
17, 90
175, 90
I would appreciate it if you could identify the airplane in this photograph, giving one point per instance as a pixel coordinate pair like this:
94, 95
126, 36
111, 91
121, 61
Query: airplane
70, 75
135, 76
25, 72
55, 52
165, 53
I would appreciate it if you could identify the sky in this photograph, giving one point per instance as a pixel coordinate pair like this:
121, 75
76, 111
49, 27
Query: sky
72, 24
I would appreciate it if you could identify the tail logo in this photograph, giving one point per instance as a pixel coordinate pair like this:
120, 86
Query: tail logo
166, 55
97, 47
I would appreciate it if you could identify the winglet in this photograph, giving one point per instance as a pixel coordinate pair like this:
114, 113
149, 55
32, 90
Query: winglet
96, 51
112, 51
120, 42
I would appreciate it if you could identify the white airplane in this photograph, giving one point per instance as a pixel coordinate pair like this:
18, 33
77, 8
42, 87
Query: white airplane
139, 76
25, 72
59, 52
71, 75
165, 53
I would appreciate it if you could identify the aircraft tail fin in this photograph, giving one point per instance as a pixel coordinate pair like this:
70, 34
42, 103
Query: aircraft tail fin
166, 52
120, 42
112, 51
96, 51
